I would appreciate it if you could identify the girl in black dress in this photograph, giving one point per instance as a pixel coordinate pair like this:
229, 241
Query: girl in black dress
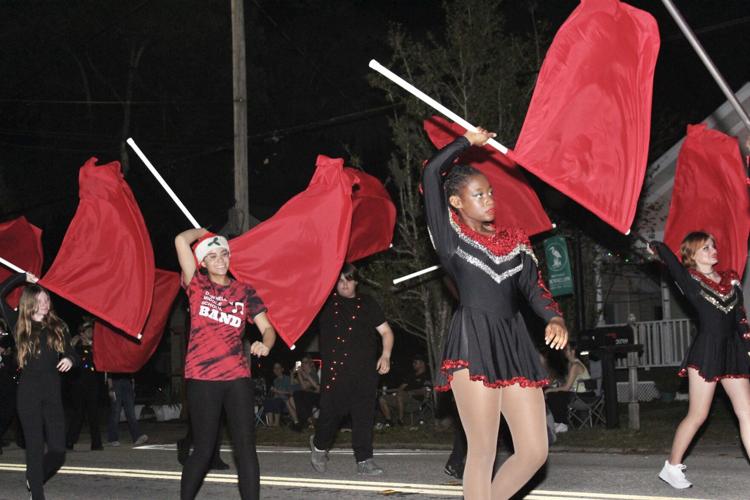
718, 353
44, 351
489, 360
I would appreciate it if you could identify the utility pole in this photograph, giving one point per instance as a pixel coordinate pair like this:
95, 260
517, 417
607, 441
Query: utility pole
239, 215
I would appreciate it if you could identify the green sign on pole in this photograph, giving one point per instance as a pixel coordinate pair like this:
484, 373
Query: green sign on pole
558, 266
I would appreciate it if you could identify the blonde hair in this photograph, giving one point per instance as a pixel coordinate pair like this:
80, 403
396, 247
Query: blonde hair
27, 341
690, 244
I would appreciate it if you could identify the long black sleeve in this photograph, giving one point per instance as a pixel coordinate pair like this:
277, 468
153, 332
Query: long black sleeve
532, 286
436, 205
9, 314
677, 271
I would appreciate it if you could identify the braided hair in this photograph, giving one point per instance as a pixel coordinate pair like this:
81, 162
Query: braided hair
457, 178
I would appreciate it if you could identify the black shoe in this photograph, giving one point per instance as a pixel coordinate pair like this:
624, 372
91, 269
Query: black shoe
69, 447
296, 427
219, 465
454, 470
97, 448
183, 450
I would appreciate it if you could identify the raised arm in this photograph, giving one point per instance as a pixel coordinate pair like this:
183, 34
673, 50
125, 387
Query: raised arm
9, 314
677, 271
436, 205
184, 254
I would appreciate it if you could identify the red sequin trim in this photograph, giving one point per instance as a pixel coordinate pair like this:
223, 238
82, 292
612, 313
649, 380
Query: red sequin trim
724, 285
457, 364
683, 373
552, 306
502, 242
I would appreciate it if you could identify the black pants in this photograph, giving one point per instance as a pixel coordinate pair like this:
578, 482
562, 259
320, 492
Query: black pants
348, 397
85, 402
558, 402
7, 405
41, 413
304, 402
205, 402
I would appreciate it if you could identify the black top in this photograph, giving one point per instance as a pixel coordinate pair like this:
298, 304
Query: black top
45, 361
719, 306
9, 314
490, 271
348, 337
414, 381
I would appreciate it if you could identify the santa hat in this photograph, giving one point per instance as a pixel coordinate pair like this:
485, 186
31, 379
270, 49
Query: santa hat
208, 242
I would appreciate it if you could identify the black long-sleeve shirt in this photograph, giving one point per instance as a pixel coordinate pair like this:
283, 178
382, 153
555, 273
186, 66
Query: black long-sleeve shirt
45, 361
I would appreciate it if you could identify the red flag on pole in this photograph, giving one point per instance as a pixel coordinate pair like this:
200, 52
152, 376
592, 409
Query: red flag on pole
587, 129
517, 203
21, 244
710, 194
105, 264
373, 216
114, 351
294, 258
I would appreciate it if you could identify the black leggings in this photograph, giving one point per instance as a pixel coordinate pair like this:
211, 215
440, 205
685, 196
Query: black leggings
41, 413
205, 401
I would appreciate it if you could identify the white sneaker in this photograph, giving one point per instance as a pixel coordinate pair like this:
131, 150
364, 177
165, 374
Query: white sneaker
141, 440
560, 428
674, 476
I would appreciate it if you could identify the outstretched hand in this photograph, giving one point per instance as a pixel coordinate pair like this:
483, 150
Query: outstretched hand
556, 334
479, 137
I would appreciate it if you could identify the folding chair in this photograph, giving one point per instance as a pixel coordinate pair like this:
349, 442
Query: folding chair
586, 408
260, 398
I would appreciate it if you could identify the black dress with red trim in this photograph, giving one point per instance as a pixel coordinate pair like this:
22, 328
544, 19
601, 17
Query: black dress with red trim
493, 273
720, 348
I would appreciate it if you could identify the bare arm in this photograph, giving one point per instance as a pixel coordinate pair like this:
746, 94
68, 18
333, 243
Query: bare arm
184, 254
575, 370
386, 334
268, 333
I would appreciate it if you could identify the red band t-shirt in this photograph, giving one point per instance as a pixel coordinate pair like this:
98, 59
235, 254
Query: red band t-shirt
217, 321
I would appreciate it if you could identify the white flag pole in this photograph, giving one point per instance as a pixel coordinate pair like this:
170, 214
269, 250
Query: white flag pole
10, 265
414, 275
430, 101
163, 183
445, 112
688, 32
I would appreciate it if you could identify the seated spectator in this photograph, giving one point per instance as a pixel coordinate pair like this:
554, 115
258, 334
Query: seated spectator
280, 397
559, 397
410, 394
307, 397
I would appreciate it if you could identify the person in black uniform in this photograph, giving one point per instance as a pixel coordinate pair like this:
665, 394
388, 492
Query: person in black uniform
489, 359
10, 370
350, 326
44, 351
718, 353
86, 385
8, 379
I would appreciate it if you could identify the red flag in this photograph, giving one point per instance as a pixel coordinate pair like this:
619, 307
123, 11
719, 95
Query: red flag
114, 351
587, 129
105, 264
20, 244
710, 194
294, 258
514, 199
373, 216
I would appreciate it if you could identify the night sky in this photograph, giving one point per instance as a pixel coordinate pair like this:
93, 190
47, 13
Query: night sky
67, 68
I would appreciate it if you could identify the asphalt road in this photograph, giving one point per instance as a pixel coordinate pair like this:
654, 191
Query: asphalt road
152, 472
